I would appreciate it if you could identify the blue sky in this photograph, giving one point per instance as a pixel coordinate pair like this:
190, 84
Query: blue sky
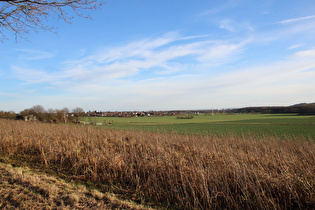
166, 55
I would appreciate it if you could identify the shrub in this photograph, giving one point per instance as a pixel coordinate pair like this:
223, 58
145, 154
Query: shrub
185, 117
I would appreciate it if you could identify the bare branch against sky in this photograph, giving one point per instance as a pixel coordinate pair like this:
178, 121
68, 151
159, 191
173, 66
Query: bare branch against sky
23, 16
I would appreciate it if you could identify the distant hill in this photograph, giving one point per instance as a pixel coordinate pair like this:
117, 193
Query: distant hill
300, 104
302, 108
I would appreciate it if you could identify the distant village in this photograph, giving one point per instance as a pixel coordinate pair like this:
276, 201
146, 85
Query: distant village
142, 113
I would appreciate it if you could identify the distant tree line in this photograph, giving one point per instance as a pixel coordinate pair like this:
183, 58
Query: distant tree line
39, 113
7, 115
64, 115
303, 108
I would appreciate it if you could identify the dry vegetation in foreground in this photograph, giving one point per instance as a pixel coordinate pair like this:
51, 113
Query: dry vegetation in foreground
213, 172
23, 189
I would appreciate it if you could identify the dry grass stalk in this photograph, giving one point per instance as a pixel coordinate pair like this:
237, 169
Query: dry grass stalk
246, 172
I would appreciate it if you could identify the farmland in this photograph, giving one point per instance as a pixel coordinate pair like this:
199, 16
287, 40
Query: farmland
225, 162
259, 124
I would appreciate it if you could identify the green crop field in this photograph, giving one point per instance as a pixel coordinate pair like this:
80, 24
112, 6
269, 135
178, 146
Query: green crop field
239, 124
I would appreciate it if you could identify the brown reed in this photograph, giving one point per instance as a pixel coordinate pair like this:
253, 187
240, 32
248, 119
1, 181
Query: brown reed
182, 171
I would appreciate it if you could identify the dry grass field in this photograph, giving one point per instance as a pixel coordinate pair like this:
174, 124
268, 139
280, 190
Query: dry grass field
168, 170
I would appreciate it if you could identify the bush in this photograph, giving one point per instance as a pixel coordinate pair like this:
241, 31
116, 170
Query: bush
185, 117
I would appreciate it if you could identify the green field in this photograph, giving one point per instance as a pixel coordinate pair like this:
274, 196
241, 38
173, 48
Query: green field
239, 124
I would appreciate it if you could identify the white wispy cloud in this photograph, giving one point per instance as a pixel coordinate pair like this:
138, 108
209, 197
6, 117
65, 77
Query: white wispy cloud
293, 20
303, 32
30, 75
235, 26
227, 24
230, 4
305, 53
170, 66
274, 82
160, 55
222, 53
295, 46
278, 80
30, 54
35, 76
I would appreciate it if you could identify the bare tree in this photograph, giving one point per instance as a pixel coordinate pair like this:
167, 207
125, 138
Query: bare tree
65, 114
51, 111
38, 109
77, 112
21, 16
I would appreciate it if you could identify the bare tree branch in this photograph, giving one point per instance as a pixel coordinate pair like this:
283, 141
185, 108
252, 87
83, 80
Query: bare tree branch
23, 16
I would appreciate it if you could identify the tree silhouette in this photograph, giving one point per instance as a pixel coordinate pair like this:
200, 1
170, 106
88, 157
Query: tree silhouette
22, 16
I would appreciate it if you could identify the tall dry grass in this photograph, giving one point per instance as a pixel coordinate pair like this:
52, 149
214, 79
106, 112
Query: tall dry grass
213, 172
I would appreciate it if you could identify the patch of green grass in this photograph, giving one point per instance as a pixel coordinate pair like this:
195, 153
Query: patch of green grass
262, 124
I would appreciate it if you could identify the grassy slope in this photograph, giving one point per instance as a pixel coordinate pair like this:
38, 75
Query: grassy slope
261, 124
